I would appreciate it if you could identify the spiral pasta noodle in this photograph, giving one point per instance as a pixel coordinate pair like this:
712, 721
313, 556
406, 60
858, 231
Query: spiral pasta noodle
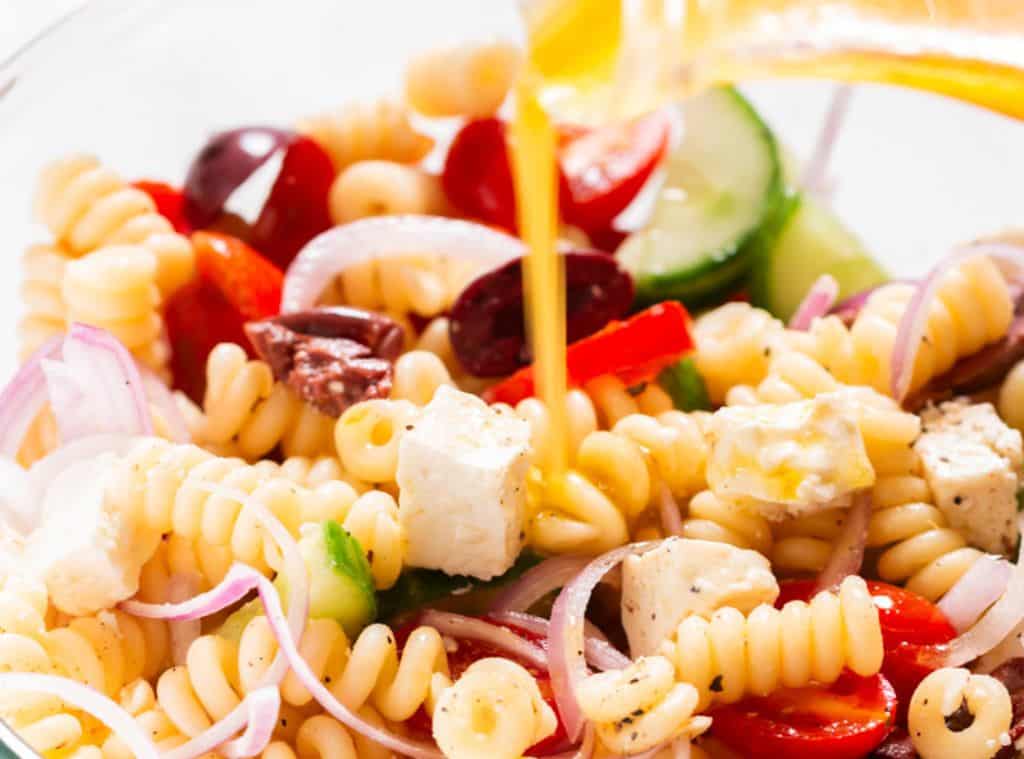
88, 206
971, 309
115, 288
319, 737
250, 413
804, 544
470, 80
641, 706
45, 314
919, 547
941, 694
730, 656
380, 188
368, 434
734, 346
495, 709
711, 517
378, 130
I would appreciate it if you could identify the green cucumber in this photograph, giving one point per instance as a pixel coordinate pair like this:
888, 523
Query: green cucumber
723, 182
810, 242
686, 386
340, 582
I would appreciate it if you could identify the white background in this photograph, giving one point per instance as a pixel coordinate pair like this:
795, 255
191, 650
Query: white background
916, 173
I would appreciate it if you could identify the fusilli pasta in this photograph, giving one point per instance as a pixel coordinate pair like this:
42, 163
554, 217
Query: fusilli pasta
730, 656
465, 80
940, 695
710, 517
45, 314
379, 130
378, 188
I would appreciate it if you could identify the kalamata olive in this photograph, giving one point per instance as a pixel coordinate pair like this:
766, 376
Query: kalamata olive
296, 208
331, 357
487, 327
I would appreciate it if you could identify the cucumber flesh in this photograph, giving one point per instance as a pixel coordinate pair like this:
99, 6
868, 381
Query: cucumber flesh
811, 242
722, 183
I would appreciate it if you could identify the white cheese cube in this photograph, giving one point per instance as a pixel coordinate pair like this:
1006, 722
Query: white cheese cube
663, 586
462, 486
972, 462
88, 553
788, 460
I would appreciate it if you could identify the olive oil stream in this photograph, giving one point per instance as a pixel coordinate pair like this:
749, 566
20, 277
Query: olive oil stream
602, 60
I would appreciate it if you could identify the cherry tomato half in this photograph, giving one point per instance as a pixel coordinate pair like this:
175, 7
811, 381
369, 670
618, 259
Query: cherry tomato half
477, 176
845, 720
603, 170
912, 629
469, 651
170, 203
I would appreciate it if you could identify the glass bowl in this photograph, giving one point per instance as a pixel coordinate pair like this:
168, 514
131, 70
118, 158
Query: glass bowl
142, 83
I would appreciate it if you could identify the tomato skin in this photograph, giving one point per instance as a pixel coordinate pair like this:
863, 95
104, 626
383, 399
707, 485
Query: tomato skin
170, 203
633, 350
913, 629
604, 169
477, 175
470, 651
802, 723
296, 210
235, 284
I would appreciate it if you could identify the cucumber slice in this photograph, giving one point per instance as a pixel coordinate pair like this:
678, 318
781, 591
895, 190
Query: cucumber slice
811, 242
686, 386
722, 182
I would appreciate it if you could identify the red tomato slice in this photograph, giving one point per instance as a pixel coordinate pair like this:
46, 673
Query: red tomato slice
469, 651
912, 629
235, 284
633, 350
845, 720
170, 203
477, 176
603, 170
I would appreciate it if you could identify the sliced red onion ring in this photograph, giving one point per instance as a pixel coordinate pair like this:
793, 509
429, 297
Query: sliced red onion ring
910, 332
668, 510
242, 579
97, 387
257, 714
815, 179
537, 582
818, 301
994, 625
330, 253
89, 700
24, 397
162, 397
183, 633
458, 626
980, 587
568, 666
848, 551
597, 650
585, 750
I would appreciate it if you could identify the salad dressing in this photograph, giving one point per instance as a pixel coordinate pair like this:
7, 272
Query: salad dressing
602, 60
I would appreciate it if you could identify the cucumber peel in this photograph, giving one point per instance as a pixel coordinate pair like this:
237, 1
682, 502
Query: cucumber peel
684, 384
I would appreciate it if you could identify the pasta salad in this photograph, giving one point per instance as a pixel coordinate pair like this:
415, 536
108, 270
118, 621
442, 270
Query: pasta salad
277, 477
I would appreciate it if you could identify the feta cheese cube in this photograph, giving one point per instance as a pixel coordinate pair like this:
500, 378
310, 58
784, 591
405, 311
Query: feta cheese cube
88, 552
788, 460
462, 486
663, 586
972, 462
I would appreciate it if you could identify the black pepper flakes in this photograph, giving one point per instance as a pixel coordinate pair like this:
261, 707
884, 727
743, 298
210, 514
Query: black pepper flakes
716, 685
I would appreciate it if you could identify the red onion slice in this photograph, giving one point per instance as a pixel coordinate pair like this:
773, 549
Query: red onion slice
24, 397
815, 179
568, 666
537, 582
818, 302
668, 510
89, 700
998, 622
258, 713
980, 587
330, 253
597, 650
910, 332
459, 626
97, 387
848, 551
